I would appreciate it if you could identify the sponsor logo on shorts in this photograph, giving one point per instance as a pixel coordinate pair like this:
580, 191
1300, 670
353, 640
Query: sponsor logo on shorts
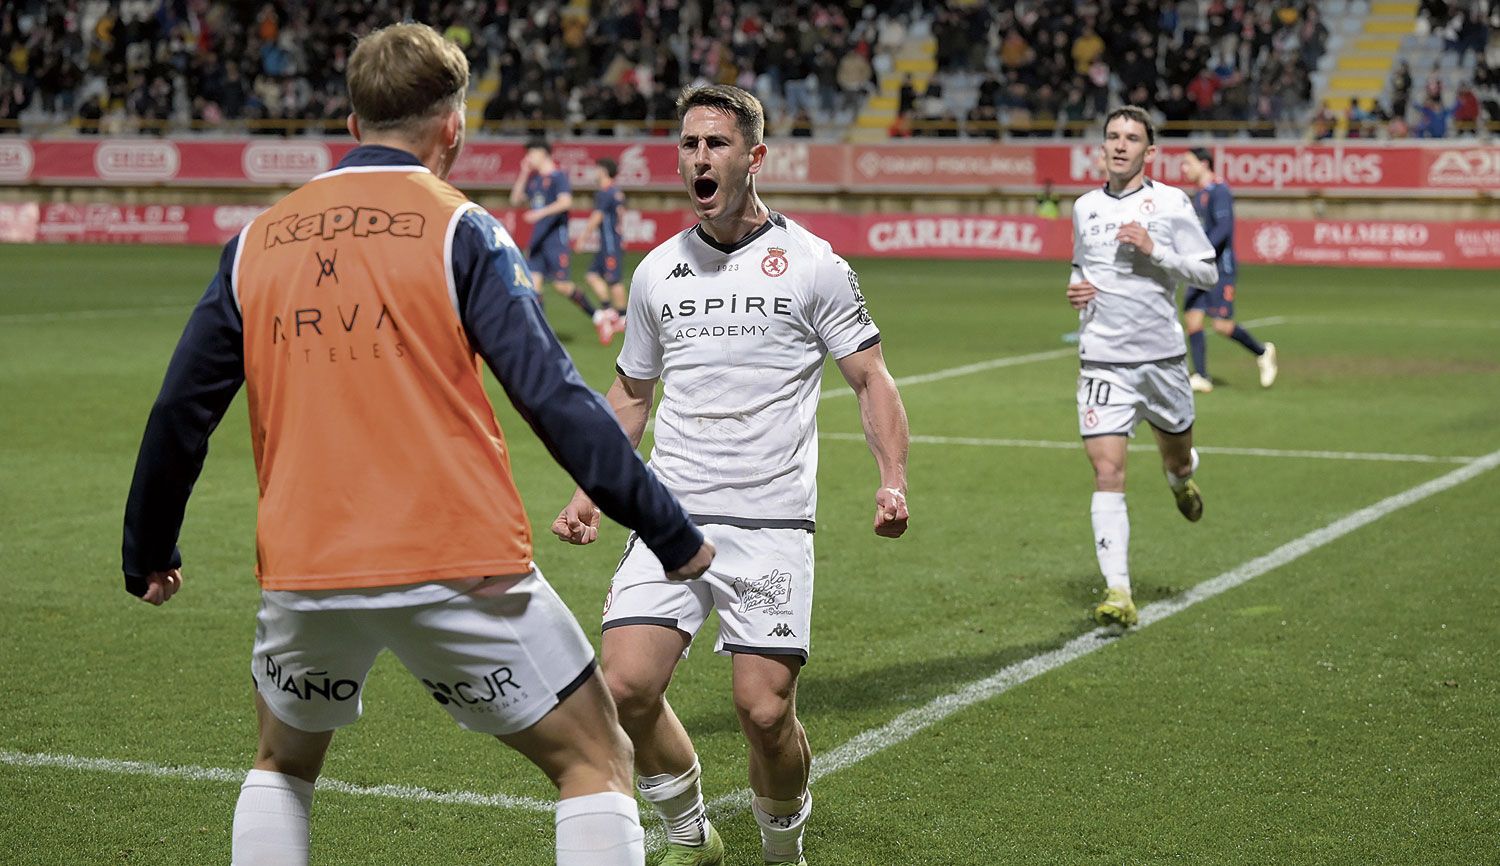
309, 684
496, 691
770, 593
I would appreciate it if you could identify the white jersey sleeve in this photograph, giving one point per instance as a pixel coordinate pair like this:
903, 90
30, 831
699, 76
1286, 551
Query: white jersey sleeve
1189, 258
641, 352
837, 309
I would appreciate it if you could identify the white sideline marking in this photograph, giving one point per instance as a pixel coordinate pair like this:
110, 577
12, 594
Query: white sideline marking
912, 722
1202, 449
76, 315
217, 774
966, 369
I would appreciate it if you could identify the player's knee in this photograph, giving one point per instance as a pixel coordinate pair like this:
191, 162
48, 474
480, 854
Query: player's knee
767, 720
635, 697
1224, 326
1109, 475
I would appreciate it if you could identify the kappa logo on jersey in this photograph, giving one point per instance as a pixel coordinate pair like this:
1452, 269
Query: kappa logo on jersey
495, 691
768, 593
310, 684
325, 266
775, 263
360, 222
682, 270
781, 630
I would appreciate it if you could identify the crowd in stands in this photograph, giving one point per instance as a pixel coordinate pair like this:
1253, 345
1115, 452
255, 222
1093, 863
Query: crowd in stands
1031, 67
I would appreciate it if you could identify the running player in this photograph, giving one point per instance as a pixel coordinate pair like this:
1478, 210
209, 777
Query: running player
1215, 206
735, 316
605, 275
1134, 241
544, 189
355, 311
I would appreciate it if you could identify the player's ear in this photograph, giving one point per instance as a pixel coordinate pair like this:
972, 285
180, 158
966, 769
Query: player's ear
757, 157
1150, 153
352, 123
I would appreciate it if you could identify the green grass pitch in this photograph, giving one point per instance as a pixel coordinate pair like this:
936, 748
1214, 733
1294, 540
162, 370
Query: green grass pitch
1338, 709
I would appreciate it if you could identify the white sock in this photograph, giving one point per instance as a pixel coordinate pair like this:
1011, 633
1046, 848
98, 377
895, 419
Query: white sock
601, 829
1177, 481
781, 825
679, 802
270, 820
1111, 538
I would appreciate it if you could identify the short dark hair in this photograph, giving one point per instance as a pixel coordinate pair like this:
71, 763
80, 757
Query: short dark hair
742, 105
402, 75
610, 167
1136, 113
539, 144
1204, 156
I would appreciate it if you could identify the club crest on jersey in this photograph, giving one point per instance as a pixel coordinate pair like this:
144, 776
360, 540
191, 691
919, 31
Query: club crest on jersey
1148, 206
775, 263
1091, 419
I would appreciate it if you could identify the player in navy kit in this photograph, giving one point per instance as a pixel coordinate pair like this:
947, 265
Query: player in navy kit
606, 275
1215, 206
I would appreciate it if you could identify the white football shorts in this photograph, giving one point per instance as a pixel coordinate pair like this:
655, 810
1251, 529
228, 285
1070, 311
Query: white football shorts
761, 583
1112, 399
496, 659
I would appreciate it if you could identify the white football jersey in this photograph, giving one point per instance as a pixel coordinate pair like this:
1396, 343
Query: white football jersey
738, 335
1133, 319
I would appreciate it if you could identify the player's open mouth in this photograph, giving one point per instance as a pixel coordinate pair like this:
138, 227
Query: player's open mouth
704, 189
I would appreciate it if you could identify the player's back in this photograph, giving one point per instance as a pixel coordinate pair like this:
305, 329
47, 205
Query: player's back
379, 457
611, 234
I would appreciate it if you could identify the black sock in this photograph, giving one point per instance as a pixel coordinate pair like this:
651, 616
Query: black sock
582, 301
1242, 336
1199, 347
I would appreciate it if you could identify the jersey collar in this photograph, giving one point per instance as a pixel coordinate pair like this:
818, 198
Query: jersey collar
1146, 184
774, 220
377, 154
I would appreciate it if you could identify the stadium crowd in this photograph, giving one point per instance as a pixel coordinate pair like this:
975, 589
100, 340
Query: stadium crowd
1038, 67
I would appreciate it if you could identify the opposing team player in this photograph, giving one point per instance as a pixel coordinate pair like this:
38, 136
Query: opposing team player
1134, 241
544, 189
735, 316
605, 275
355, 311
1215, 207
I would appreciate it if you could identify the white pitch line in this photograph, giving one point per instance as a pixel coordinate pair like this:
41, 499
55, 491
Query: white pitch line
912, 722
966, 369
218, 774
1378, 456
79, 315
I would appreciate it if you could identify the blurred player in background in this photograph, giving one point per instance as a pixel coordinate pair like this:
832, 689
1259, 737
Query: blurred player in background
355, 311
1215, 207
1134, 241
606, 274
543, 188
735, 317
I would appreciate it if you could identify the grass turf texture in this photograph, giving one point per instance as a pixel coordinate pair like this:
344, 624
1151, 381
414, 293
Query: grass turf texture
1338, 709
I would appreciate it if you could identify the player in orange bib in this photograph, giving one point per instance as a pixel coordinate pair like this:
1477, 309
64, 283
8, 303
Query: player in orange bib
355, 311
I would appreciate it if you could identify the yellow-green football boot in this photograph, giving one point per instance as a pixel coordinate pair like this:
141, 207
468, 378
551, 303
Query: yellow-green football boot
1116, 610
1189, 501
710, 853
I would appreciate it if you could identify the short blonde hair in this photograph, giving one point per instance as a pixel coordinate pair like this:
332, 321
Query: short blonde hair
404, 74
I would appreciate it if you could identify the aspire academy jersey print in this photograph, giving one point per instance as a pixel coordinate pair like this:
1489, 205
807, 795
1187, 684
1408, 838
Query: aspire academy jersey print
1133, 319
738, 335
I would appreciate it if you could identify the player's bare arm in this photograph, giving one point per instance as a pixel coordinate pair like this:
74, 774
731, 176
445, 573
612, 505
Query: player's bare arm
883, 417
518, 189
1080, 293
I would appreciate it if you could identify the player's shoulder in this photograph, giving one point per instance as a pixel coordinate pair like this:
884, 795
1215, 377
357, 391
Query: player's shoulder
674, 246
798, 240
1174, 195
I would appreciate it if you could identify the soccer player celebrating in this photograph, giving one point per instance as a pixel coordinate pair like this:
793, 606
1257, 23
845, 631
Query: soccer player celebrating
355, 311
1215, 206
735, 316
605, 273
1134, 241
543, 187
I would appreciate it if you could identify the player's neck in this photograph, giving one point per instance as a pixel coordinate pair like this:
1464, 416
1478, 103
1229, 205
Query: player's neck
429, 153
730, 228
1207, 181
1120, 187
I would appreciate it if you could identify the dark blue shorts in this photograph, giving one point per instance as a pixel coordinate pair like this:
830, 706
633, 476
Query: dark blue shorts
550, 261
1216, 303
609, 267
